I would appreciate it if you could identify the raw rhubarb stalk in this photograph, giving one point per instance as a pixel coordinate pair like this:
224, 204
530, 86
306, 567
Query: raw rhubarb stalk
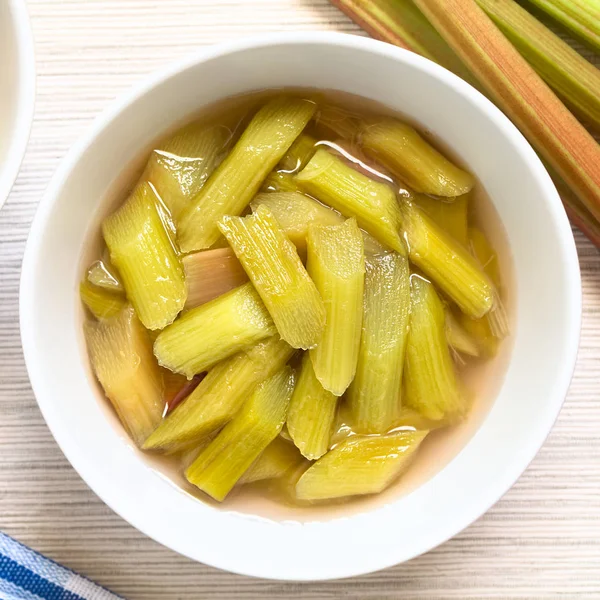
577, 212
582, 17
574, 79
521, 94
401, 23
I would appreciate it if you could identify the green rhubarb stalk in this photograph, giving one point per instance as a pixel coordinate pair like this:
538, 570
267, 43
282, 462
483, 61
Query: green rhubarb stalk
401, 23
559, 138
581, 17
574, 79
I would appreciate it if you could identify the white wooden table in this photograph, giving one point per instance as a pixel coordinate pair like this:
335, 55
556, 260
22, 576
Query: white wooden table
542, 540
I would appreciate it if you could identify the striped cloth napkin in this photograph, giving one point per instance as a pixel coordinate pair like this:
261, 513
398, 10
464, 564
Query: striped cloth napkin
27, 575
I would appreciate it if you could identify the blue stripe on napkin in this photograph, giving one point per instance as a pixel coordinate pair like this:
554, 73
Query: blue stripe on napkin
27, 575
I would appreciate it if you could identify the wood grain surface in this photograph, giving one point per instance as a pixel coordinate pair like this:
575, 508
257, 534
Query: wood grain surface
542, 540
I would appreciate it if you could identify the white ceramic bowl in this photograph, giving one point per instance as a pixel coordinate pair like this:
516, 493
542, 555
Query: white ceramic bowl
17, 82
548, 304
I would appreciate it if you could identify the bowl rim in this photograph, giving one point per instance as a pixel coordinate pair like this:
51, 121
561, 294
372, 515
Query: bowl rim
25, 98
502, 483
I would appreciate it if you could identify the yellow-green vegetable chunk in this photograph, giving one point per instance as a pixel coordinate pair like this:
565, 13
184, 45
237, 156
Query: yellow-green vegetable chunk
480, 330
216, 330
278, 458
239, 177
449, 264
299, 154
274, 267
485, 254
311, 416
431, 386
102, 274
295, 212
450, 214
459, 338
121, 356
189, 454
344, 424
280, 181
181, 164
219, 396
101, 303
375, 394
142, 251
336, 263
241, 441
359, 465
413, 419
336, 122
409, 157
371, 203
490, 329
